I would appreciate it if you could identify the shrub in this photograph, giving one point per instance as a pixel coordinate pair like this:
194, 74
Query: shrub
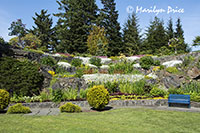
79, 73
156, 63
146, 62
122, 67
4, 99
70, 108
98, 97
70, 94
57, 95
18, 108
192, 87
21, 78
95, 61
156, 92
175, 91
76, 62
83, 93
48, 60
138, 87
195, 97
172, 70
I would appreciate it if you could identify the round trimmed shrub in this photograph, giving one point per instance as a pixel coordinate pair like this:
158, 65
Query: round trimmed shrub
70, 108
20, 77
76, 62
4, 99
18, 109
98, 97
95, 61
146, 62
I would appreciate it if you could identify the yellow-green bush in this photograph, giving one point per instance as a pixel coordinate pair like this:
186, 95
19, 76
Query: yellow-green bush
98, 97
70, 108
4, 99
18, 108
172, 70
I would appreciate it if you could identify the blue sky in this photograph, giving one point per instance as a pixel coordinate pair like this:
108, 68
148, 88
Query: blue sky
11, 10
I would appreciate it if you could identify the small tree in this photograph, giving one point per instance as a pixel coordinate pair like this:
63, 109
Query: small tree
97, 41
174, 43
31, 41
18, 29
196, 41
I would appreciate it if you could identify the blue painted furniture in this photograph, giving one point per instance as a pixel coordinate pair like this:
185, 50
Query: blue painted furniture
179, 99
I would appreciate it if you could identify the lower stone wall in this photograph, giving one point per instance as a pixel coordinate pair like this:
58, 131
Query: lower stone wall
118, 103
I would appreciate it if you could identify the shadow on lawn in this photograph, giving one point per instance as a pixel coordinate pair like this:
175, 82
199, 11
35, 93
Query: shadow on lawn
107, 108
3, 111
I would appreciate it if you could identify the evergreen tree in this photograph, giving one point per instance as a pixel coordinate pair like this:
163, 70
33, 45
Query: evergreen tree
18, 29
75, 20
131, 37
108, 19
179, 34
170, 30
43, 29
156, 37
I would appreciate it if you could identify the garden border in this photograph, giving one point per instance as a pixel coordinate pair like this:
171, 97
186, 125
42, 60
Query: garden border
118, 103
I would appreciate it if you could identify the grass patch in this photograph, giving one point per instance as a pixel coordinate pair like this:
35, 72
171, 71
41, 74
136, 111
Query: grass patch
120, 120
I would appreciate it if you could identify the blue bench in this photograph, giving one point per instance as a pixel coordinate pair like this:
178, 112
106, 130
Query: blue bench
179, 99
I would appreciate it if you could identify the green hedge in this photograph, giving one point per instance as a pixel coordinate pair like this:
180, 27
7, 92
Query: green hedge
20, 78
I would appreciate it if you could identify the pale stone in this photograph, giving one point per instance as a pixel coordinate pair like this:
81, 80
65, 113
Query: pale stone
172, 63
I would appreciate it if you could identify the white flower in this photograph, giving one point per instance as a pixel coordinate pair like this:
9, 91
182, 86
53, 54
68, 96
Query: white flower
172, 63
64, 64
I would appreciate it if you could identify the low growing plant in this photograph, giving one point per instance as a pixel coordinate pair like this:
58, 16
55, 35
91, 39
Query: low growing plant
4, 99
146, 62
70, 108
95, 61
172, 70
18, 108
156, 92
76, 62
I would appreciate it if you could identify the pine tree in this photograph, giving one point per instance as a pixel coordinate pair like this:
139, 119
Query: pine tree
108, 19
156, 37
43, 29
75, 20
179, 34
170, 30
131, 37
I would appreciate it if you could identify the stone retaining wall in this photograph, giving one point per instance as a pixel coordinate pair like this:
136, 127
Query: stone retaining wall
119, 103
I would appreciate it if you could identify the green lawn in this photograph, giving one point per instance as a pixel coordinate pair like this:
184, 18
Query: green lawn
119, 120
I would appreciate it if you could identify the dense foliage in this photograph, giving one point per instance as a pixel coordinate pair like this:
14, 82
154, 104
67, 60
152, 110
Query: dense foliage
18, 109
4, 99
95, 61
98, 97
146, 62
70, 108
20, 77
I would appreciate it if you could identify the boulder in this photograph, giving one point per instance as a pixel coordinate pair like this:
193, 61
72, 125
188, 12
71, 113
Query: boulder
64, 64
171, 81
172, 63
193, 73
47, 77
137, 65
72, 82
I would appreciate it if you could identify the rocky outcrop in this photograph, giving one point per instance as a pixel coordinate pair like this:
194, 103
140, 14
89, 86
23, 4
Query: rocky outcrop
72, 82
193, 73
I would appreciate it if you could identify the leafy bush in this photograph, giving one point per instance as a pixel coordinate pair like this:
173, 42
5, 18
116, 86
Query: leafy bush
156, 92
126, 88
70, 94
192, 87
175, 91
70, 108
98, 97
21, 78
195, 97
79, 73
139, 87
76, 62
57, 95
187, 61
112, 87
83, 93
172, 70
156, 63
95, 61
146, 62
18, 108
122, 67
48, 60
4, 99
